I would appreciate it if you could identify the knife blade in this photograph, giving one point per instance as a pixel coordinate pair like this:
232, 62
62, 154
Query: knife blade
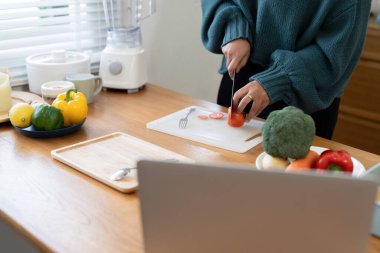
232, 92
232, 97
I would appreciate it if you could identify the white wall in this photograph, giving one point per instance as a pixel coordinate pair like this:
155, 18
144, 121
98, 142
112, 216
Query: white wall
176, 57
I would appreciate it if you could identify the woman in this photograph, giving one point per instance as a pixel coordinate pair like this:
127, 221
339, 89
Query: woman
282, 53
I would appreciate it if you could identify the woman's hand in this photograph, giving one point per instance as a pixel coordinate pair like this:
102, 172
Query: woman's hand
253, 91
237, 54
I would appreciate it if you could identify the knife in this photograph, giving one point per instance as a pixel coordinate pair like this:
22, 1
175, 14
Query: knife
232, 97
232, 92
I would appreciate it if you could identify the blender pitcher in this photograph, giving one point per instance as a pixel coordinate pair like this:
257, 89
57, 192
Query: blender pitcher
122, 63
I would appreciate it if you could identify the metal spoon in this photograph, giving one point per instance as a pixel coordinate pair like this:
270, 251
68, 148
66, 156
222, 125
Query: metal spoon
121, 173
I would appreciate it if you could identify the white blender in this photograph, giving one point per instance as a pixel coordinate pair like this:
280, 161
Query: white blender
122, 62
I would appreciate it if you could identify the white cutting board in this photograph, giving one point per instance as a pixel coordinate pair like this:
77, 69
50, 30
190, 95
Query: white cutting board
211, 132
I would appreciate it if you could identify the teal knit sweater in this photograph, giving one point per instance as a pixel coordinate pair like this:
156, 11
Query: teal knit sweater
310, 47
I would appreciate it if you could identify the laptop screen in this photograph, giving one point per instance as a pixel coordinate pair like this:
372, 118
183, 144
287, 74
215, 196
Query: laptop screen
224, 208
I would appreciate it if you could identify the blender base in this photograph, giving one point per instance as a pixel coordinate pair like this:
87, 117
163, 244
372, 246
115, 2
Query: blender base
123, 68
129, 91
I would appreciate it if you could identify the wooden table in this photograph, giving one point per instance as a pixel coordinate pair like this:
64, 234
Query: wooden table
59, 209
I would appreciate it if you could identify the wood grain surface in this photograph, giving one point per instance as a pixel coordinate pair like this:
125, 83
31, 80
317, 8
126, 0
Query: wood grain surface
60, 209
101, 157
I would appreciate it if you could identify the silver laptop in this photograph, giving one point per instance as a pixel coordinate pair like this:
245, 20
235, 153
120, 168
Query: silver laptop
203, 208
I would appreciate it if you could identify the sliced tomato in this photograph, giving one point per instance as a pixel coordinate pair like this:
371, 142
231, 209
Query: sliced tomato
216, 115
235, 119
204, 117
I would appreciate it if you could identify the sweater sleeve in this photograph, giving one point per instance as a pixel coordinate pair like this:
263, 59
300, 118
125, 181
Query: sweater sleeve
222, 22
314, 76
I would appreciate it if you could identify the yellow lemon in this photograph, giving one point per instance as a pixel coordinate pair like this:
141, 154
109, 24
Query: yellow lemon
20, 115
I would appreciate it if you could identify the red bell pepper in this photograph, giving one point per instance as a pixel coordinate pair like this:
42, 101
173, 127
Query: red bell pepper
335, 161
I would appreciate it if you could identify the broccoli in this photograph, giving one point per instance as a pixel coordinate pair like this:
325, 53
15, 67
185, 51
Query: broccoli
288, 133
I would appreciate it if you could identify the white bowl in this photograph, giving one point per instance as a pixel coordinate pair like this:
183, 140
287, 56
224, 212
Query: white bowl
51, 90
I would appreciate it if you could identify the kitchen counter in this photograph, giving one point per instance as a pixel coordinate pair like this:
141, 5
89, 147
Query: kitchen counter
60, 209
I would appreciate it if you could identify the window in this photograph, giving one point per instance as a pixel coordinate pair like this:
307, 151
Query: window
38, 26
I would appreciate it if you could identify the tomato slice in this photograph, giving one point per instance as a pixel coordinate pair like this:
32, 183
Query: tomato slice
204, 117
235, 119
216, 115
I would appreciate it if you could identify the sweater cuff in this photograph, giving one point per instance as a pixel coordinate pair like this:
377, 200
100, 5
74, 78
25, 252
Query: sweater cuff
276, 83
237, 28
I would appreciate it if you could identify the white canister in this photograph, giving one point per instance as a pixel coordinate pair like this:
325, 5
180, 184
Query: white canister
53, 66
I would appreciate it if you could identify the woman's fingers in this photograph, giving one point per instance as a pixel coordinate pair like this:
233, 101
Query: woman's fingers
237, 53
254, 92
256, 108
244, 102
242, 63
239, 94
232, 67
236, 63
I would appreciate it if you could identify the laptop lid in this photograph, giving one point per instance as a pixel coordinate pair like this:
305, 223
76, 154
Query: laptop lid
206, 208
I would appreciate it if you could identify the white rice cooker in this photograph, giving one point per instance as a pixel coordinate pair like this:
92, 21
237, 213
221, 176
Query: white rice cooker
54, 66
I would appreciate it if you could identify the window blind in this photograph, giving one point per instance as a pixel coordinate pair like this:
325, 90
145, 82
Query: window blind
39, 26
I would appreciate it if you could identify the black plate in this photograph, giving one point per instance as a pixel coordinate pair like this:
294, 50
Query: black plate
31, 131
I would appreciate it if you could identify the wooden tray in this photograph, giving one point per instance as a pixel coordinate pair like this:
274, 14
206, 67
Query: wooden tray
18, 97
101, 157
